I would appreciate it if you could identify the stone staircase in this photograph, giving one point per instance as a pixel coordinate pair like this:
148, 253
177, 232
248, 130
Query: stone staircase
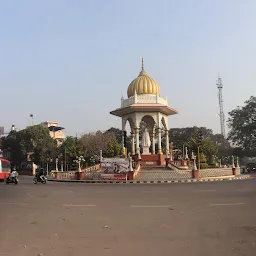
158, 173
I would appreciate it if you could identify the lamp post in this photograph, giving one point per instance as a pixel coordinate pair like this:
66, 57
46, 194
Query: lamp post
186, 153
56, 163
171, 152
193, 157
130, 162
199, 141
78, 160
198, 157
100, 155
233, 162
65, 159
47, 166
237, 162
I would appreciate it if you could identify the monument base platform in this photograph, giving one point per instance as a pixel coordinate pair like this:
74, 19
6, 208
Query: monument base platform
151, 160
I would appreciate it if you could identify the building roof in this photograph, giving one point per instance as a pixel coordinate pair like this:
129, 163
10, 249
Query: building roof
143, 84
144, 108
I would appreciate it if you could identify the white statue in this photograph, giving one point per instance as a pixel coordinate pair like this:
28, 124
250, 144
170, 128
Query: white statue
145, 143
146, 139
186, 153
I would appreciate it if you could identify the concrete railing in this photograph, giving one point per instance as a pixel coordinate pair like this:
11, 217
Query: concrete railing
216, 172
203, 173
76, 175
179, 164
67, 175
145, 99
93, 168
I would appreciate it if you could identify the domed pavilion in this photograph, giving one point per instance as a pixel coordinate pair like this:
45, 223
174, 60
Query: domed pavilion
144, 103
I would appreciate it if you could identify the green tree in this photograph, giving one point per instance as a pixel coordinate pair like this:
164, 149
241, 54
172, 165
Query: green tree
207, 146
69, 150
183, 136
224, 147
118, 135
212, 144
113, 148
34, 141
93, 143
117, 132
12, 148
242, 123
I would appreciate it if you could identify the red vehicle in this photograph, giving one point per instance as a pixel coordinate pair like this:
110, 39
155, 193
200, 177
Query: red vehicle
5, 168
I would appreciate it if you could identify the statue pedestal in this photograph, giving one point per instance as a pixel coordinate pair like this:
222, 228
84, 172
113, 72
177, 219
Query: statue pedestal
146, 151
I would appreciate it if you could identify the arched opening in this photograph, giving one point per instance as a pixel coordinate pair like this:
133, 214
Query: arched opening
127, 139
165, 136
147, 124
128, 136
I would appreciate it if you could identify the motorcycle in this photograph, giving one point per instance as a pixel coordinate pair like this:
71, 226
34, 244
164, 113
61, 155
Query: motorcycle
12, 178
42, 179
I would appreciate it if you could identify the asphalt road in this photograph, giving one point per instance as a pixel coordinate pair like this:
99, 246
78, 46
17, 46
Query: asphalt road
128, 219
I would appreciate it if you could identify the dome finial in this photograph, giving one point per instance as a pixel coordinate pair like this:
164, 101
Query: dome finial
142, 63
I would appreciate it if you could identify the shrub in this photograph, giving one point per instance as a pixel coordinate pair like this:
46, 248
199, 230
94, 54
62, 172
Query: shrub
203, 166
202, 158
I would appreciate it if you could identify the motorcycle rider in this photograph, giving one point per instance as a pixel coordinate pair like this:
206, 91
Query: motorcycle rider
40, 173
13, 174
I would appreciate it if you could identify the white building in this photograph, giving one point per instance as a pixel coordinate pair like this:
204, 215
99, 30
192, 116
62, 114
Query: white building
144, 103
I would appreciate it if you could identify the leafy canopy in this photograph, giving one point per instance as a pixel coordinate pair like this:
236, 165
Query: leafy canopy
242, 123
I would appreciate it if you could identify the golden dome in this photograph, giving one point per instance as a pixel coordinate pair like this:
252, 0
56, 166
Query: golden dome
143, 84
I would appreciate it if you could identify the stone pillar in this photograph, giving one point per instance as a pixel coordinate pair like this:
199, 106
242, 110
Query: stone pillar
79, 175
122, 139
133, 143
195, 172
159, 141
167, 142
123, 149
153, 143
56, 164
130, 175
233, 166
137, 140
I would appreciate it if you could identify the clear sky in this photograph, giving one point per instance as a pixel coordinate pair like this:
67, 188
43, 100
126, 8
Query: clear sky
71, 61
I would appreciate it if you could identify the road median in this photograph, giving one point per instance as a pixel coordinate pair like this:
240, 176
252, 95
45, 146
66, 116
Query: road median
224, 178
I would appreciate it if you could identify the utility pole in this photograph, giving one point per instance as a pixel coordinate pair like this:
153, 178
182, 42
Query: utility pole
65, 159
32, 119
198, 157
221, 114
199, 142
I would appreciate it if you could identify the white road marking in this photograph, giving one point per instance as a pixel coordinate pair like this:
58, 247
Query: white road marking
244, 189
228, 204
159, 191
78, 205
150, 206
7, 203
208, 190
